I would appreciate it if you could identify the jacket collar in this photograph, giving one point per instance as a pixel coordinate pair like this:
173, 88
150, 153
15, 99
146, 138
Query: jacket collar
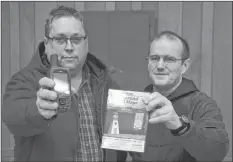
187, 86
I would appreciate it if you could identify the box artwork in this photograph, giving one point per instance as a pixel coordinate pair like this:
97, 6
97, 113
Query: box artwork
126, 121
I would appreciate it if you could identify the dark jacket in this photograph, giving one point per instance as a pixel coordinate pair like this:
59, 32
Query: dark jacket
207, 139
37, 139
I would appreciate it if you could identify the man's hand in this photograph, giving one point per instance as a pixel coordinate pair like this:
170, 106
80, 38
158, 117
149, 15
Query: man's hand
161, 111
46, 99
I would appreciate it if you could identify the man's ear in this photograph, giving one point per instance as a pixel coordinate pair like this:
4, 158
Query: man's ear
86, 44
45, 41
185, 66
46, 44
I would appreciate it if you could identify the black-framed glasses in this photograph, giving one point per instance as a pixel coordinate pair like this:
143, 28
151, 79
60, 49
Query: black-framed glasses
64, 40
167, 59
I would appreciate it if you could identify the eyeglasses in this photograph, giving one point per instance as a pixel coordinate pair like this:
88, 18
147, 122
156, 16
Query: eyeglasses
167, 59
64, 40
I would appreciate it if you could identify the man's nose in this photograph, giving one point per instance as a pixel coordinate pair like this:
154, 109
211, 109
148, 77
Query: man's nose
69, 46
161, 64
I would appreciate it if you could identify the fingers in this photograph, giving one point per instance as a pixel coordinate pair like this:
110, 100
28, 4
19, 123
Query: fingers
46, 99
158, 112
46, 82
157, 103
161, 110
160, 119
147, 99
46, 108
47, 94
161, 115
47, 105
48, 114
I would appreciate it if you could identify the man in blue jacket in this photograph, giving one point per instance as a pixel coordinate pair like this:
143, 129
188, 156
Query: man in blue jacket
185, 124
30, 108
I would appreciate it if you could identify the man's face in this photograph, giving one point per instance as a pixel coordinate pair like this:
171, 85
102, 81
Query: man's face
166, 73
71, 53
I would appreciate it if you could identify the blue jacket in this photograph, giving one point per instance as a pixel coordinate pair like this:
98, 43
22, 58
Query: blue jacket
37, 139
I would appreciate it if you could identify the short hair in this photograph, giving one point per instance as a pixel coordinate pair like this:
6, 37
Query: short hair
61, 11
173, 37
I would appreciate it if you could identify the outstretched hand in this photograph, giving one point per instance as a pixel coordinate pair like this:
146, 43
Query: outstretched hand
161, 110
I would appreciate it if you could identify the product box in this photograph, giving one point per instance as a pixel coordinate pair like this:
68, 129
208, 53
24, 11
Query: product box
126, 121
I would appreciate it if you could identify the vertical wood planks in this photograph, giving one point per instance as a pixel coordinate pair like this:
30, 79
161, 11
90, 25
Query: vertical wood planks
5, 62
153, 7
5, 44
222, 63
149, 6
14, 37
27, 32
170, 16
136, 6
14, 48
110, 6
94, 6
123, 6
192, 26
66, 3
42, 10
79, 5
206, 47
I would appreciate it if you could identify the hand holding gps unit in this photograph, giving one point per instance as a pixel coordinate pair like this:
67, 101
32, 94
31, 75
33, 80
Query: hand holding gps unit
61, 77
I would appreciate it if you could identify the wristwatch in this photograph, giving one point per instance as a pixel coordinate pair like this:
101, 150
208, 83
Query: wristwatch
185, 124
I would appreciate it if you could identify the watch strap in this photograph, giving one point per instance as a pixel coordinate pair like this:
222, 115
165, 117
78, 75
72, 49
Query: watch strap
185, 126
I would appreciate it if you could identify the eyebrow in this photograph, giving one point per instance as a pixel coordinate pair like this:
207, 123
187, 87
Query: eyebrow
76, 34
155, 54
162, 56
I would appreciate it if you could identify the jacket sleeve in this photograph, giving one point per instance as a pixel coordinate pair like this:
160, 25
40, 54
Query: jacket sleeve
19, 111
207, 139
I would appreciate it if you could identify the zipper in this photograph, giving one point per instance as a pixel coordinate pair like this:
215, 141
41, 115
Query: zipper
101, 116
101, 111
73, 97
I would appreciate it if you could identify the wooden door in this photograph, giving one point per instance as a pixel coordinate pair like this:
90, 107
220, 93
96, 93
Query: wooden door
129, 44
121, 40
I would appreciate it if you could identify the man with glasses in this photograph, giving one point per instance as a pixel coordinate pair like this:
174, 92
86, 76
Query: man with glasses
185, 124
30, 105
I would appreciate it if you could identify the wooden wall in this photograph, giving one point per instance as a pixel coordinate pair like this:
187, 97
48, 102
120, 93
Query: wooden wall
206, 25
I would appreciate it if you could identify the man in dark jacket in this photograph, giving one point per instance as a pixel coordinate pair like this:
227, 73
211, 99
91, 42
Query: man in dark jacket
185, 124
30, 105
